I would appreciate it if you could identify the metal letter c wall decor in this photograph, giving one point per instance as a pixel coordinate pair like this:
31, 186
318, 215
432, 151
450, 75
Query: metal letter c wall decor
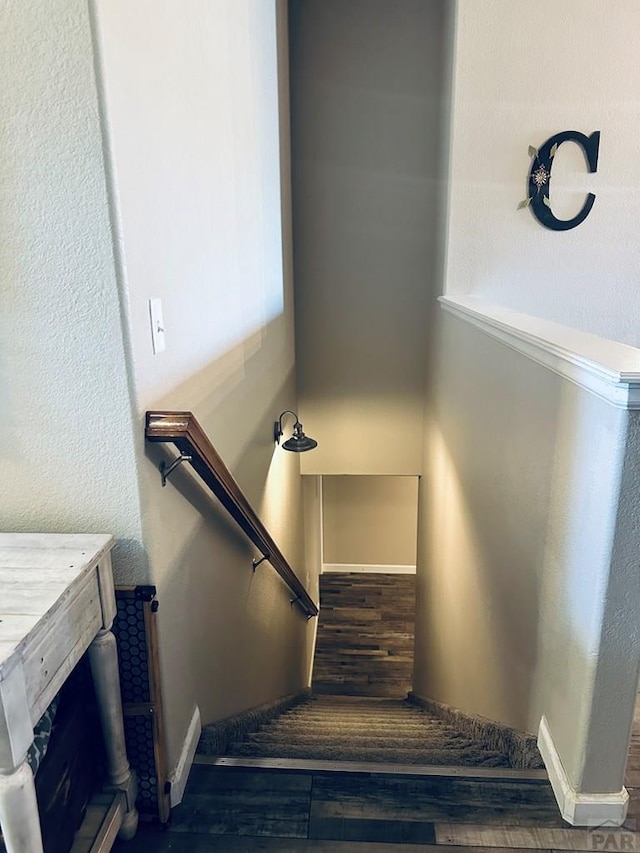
540, 178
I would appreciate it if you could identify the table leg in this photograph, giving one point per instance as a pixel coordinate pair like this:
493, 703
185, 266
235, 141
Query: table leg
19, 817
103, 658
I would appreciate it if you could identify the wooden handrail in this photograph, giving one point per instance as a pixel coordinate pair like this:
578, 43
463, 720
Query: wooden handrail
183, 430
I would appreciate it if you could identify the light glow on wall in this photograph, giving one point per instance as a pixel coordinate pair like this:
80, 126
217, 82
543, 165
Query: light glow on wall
451, 571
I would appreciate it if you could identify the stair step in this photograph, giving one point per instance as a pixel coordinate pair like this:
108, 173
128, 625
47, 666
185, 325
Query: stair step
355, 705
370, 768
405, 756
416, 742
359, 720
391, 688
409, 731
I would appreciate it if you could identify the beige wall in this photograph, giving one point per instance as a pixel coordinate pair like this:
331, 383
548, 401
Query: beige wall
525, 606
191, 103
370, 520
365, 102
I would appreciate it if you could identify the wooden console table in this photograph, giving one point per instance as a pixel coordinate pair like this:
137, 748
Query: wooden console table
56, 601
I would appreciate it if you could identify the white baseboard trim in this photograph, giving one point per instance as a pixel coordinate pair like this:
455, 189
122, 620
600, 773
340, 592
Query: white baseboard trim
576, 808
179, 776
366, 569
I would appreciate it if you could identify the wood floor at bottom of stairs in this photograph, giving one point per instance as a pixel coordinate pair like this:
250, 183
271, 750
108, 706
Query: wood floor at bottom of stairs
169, 842
231, 809
150, 841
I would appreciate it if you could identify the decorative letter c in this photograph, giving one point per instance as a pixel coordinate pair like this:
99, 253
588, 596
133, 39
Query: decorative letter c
540, 178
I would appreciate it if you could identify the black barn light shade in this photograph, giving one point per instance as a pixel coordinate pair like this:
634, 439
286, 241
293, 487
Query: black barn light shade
299, 442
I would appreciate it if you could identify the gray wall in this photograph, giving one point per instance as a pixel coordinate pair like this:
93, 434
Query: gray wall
366, 83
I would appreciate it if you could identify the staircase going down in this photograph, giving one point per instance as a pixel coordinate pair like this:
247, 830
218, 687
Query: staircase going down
364, 729
354, 766
358, 711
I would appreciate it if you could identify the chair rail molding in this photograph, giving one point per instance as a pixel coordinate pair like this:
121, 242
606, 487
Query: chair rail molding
608, 369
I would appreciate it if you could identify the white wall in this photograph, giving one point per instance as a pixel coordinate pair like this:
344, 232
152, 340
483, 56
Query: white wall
523, 73
365, 103
192, 115
370, 520
66, 433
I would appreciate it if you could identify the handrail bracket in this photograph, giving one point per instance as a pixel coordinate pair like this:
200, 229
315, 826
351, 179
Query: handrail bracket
256, 562
167, 470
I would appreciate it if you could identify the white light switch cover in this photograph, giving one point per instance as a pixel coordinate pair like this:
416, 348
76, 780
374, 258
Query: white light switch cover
157, 325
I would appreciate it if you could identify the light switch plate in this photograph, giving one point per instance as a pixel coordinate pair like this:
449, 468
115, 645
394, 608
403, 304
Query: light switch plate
157, 326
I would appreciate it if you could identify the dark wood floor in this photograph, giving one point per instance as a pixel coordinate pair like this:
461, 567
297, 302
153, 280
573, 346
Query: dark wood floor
365, 634
230, 810
234, 809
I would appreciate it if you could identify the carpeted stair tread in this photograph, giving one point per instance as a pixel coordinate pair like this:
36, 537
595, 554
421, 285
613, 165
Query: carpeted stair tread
361, 713
475, 756
346, 716
356, 702
363, 729
351, 728
370, 742
397, 732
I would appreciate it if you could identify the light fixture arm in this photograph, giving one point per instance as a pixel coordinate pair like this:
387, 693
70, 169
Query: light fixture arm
299, 442
277, 427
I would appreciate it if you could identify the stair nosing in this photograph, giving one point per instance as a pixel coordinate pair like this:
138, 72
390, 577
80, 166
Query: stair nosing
372, 767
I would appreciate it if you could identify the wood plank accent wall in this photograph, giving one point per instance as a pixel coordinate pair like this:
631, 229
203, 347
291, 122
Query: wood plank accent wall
365, 634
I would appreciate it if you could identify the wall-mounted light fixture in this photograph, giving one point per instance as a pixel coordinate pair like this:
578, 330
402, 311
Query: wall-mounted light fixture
299, 442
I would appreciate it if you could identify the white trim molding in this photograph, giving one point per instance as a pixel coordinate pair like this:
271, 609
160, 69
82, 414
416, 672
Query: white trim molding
179, 776
576, 808
366, 569
608, 369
